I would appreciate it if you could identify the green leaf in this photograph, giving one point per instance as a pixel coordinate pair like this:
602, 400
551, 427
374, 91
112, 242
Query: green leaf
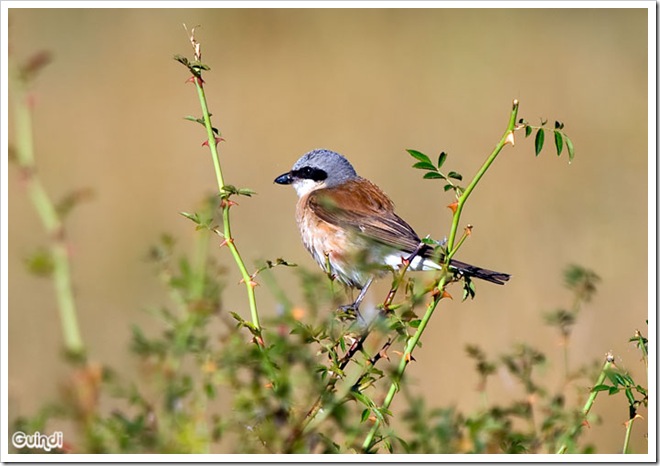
194, 217
630, 396
237, 317
538, 141
181, 59
246, 192
415, 323
365, 415
614, 390
569, 147
419, 156
455, 175
528, 130
600, 388
441, 159
433, 175
448, 187
559, 142
425, 166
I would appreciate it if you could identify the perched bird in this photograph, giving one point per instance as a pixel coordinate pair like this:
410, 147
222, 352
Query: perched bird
348, 224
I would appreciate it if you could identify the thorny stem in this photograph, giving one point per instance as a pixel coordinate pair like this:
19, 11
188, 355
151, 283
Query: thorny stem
609, 361
507, 138
213, 146
49, 217
313, 413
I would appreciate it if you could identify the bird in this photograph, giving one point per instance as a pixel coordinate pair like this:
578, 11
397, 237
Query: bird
349, 226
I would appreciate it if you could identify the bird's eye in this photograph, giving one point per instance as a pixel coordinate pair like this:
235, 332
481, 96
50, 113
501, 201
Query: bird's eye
310, 173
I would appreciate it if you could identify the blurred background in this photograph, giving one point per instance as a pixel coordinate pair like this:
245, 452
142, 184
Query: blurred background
368, 84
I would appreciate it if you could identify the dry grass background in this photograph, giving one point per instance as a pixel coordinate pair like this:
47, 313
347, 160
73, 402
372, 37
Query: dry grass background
368, 84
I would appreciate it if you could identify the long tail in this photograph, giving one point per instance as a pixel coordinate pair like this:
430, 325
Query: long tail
489, 275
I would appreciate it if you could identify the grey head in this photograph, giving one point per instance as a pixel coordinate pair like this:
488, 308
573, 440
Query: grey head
320, 168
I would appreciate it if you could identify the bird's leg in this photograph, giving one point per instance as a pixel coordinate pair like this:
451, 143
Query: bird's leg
355, 305
362, 294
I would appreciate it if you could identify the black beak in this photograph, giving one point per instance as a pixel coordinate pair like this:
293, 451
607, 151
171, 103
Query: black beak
286, 178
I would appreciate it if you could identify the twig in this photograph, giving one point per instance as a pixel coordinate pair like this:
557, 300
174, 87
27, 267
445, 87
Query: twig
48, 214
609, 360
439, 291
212, 142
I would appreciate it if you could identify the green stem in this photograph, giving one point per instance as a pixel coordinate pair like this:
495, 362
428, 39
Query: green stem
405, 359
50, 219
590, 401
315, 416
507, 138
626, 440
229, 239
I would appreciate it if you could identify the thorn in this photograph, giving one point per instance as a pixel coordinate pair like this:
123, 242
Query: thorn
510, 139
197, 79
585, 423
227, 203
409, 357
218, 140
227, 241
445, 294
268, 385
383, 354
259, 341
372, 419
398, 353
251, 282
453, 206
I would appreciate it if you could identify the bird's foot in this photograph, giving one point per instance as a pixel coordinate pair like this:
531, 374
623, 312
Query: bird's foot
348, 311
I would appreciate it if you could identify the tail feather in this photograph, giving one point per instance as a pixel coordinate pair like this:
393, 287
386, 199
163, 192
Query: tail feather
498, 278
